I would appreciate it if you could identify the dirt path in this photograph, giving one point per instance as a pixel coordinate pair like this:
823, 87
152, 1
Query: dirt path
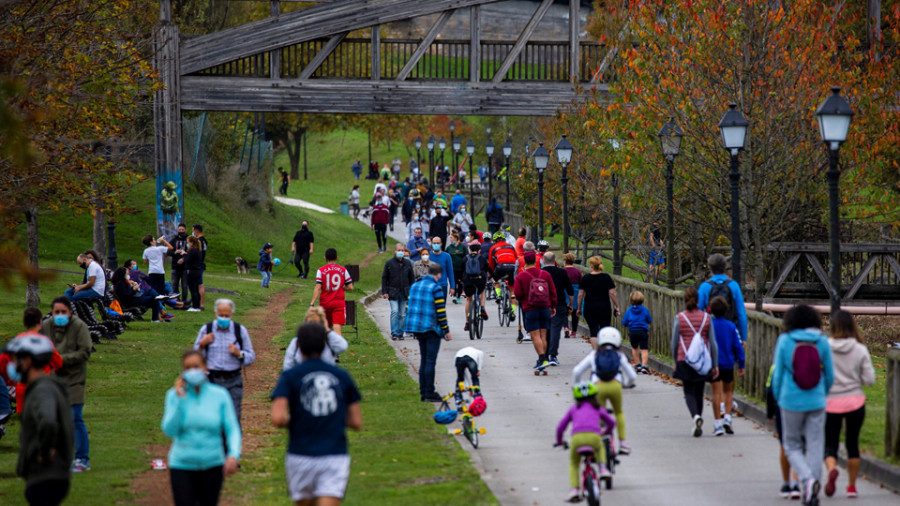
152, 487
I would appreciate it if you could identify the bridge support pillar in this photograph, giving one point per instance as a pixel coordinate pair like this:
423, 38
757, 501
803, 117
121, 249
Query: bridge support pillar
167, 123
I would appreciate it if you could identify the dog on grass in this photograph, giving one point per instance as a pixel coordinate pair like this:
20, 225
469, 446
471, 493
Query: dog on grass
242, 266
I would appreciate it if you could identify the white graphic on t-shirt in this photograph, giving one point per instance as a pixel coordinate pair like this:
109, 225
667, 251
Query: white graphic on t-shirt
318, 394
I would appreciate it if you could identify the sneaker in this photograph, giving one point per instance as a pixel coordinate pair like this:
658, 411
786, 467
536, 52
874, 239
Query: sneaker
795, 492
80, 466
466, 328
554, 361
697, 429
785, 492
2, 430
810, 491
484, 315
604, 472
194, 310
851, 492
726, 424
539, 365
574, 495
456, 300
645, 369
433, 398
173, 296
832, 481
155, 321
566, 332
624, 448
161, 297
512, 315
717, 428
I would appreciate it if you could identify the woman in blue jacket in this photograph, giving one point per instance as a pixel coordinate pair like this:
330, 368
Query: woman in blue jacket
803, 409
196, 415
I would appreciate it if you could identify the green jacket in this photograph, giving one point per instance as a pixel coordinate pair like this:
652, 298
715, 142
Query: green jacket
457, 255
46, 425
73, 342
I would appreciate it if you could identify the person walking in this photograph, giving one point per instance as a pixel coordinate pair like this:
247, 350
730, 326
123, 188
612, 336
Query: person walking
690, 325
178, 252
285, 181
534, 289
331, 280
427, 321
462, 221
226, 346
457, 251
457, 201
204, 246
72, 340
46, 436
356, 168
396, 279
720, 285
574, 278
394, 198
803, 375
594, 294
193, 269
494, 216
335, 344
438, 225
416, 244
153, 256
302, 247
264, 266
846, 402
637, 320
197, 415
447, 280
731, 354
564, 292
353, 200
316, 402
381, 216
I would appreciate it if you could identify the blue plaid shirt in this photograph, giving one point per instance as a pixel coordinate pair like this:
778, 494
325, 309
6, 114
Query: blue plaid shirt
427, 311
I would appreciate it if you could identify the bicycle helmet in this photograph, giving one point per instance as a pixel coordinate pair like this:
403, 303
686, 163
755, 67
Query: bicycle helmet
499, 235
584, 390
609, 335
30, 344
543, 245
477, 407
445, 417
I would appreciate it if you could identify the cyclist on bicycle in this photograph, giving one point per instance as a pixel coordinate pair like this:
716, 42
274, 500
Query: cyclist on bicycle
587, 418
502, 262
475, 273
543, 247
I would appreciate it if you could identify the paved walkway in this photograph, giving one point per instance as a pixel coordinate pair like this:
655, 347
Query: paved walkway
667, 466
304, 204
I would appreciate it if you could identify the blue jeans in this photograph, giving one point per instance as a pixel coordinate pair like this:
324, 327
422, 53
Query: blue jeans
83, 295
82, 445
398, 317
5, 407
429, 346
557, 322
266, 276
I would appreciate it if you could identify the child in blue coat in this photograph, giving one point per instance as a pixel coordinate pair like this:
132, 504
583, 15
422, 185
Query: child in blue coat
637, 320
731, 353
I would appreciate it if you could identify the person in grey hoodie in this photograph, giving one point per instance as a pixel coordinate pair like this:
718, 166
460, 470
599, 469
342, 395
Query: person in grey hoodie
846, 402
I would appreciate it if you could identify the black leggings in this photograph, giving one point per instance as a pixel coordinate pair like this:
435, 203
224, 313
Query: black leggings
193, 282
833, 423
463, 363
47, 492
381, 235
196, 488
693, 396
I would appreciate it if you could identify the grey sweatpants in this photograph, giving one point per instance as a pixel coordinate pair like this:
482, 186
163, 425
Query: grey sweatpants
235, 387
799, 427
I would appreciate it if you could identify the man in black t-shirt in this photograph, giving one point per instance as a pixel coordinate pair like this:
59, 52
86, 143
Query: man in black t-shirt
178, 252
198, 233
558, 321
302, 247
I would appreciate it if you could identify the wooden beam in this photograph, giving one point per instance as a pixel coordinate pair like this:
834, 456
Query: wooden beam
819, 270
474, 44
321, 56
895, 266
312, 23
611, 54
212, 93
574, 39
782, 276
376, 52
523, 39
423, 46
167, 118
861, 277
275, 55
823, 247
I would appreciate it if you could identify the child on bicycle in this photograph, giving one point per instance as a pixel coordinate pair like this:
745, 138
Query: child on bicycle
590, 422
611, 370
470, 359
637, 320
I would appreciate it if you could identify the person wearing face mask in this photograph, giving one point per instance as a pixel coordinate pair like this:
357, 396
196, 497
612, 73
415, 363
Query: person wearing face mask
462, 221
46, 436
129, 294
302, 247
72, 339
226, 346
179, 269
420, 267
153, 257
440, 222
197, 414
442, 258
381, 216
32, 322
416, 243
396, 278
457, 251
457, 201
143, 282
409, 206
94, 284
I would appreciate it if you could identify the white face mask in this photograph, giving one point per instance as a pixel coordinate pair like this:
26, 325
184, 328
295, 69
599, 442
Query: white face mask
425, 258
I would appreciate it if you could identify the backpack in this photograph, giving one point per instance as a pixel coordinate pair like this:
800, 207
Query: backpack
697, 354
538, 293
508, 259
724, 290
473, 268
806, 364
606, 362
237, 332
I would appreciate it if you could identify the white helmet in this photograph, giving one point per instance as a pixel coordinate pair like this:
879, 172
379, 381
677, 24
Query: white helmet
609, 335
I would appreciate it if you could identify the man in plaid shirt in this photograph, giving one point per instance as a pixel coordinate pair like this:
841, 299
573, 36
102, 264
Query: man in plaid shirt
426, 318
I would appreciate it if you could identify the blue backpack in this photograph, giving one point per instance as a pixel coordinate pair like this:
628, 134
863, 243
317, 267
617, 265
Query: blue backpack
606, 362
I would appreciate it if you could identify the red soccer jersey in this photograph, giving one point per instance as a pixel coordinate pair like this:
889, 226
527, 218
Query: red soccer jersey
332, 277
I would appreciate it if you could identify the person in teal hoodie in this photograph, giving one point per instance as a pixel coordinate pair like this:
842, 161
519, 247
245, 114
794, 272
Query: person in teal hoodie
802, 411
196, 415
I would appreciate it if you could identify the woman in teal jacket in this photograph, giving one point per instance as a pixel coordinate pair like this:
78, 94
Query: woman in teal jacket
802, 411
197, 413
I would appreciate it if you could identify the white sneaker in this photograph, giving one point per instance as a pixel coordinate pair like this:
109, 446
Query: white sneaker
194, 310
718, 430
697, 428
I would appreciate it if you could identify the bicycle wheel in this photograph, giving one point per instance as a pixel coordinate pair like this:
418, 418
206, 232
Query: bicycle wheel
474, 319
590, 485
479, 321
470, 431
503, 308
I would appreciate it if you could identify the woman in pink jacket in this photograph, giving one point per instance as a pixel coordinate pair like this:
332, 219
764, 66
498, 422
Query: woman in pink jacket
846, 401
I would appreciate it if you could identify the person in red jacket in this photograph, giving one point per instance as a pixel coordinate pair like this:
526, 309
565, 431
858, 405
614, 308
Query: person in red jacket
381, 216
502, 263
32, 321
535, 291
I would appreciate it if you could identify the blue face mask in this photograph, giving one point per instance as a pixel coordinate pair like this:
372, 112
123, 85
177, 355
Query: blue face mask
436, 247
194, 377
223, 323
134, 267
13, 372
399, 254
61, 320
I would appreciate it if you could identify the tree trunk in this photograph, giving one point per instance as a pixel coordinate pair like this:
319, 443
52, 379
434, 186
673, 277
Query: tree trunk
293, 144
99, 244
32, 294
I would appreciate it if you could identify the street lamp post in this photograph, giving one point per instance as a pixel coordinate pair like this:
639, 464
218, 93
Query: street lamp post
470, 149
489, 149
733, 128
111, 253
834, 117
507, 151
564, 156
670, 140
617, 256
430, 146
442, 144
456, 145
418, 157
541, 159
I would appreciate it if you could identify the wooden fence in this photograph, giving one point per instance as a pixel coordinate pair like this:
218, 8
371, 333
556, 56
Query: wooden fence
664, 304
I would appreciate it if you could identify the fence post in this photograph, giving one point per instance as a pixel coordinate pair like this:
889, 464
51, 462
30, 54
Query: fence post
892, 406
